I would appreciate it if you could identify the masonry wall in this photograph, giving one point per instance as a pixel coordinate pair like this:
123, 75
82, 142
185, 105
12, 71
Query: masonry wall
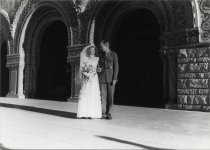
194, 78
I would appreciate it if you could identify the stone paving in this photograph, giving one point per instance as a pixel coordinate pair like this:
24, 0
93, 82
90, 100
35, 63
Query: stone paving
40, 124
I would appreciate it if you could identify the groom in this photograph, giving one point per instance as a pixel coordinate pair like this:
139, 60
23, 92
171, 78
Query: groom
107, 78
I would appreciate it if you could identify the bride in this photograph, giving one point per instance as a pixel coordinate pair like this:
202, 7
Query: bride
89, 105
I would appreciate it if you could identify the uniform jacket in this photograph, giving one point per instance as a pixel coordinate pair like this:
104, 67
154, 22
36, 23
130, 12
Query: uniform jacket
110, 67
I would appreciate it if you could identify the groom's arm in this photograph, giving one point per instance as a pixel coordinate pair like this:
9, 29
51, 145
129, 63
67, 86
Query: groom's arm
116, 67
99, 69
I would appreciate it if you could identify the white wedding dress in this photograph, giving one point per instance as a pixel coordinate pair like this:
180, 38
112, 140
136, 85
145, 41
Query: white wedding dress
89, 104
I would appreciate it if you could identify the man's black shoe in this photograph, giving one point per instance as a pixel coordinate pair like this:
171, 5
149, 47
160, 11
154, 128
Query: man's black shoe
108, 117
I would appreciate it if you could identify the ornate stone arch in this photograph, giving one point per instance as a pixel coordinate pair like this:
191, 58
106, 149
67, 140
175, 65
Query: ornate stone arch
34, 33
28, 7
31, 11
102, 22
160, 9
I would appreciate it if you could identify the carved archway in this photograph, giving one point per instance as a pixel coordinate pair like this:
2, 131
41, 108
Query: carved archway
36, 28
178, 19
179, 27
31, 16
117, 9
28, 7
105, 23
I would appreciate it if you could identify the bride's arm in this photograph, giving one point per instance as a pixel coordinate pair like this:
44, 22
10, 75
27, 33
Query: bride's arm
98, 69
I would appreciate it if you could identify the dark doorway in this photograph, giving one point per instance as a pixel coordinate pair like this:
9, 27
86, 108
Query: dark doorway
4, 74
141, 69
53, 78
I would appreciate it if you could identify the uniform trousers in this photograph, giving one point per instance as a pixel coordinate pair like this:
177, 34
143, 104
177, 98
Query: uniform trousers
107, 96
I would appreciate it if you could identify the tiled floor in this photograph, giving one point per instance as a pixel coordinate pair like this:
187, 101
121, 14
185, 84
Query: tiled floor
47, 124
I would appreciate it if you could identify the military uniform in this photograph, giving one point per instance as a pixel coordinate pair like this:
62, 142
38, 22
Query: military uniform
110, 68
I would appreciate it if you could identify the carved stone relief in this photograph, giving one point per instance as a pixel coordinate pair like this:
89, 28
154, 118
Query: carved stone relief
204, 6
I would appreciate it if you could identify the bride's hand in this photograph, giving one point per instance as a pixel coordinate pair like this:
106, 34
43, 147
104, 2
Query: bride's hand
99, 69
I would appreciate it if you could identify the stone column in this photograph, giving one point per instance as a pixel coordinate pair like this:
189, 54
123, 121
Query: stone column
165, 74
73, 70
13, 66
73, 60
172, 79
30, 75
30, 81
74, 64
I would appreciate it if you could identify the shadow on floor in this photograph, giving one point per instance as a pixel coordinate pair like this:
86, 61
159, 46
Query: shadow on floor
131, 143
2, 147
42, 110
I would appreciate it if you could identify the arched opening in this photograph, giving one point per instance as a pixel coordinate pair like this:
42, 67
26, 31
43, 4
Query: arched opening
4, 74
52, 75
136, 41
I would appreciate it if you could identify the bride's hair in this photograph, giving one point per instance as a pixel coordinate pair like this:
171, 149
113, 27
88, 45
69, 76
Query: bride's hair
88, 50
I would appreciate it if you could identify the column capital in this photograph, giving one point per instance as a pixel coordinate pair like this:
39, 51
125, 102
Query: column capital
13, 61
168, 52
74, 51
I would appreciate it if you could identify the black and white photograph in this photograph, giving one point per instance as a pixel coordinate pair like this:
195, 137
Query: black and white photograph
105, 74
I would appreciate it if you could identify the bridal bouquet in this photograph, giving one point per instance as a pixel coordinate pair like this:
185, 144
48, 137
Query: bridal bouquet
88, 72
